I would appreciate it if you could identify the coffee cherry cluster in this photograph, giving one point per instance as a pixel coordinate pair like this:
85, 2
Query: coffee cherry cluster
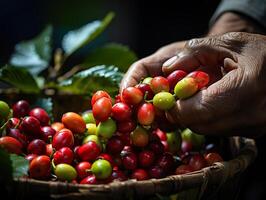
124, 138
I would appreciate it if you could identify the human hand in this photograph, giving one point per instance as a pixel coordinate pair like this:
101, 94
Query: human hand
236, 103
151, 65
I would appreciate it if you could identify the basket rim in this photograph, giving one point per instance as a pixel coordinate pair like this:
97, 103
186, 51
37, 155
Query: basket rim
216, 174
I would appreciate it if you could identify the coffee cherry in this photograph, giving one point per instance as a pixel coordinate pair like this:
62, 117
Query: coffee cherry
93, 138
186, 88
114, 145
125, 138
183, 169
11, 145
49, 150
196, 140
88, 117
164, 100
139, 137
121, 112
147, 80
102, 109
91, 180
130, 161
156, 172
159, 84
126, 126
63, 138
166, 146
197, 162
146, 114
74, 122
146, 90
174, 77
173, 141
201, 78
126, 150
157, 147
63, 155
21, 109
140, 175
118, 175
166, 162
106, 128
40, 167
132, 96
65, 172
30, 157
30, 126
4, 110
117, 161
212, 158
41, 115
186, 146
47, 132
37, 146
15, 133
82, 169
161, 135
107, 157
102, 169
57, 126
91, 129
88, 151
146, 158
12, 123
99, 94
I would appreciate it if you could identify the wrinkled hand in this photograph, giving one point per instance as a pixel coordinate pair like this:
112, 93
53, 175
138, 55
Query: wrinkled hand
236, 103
150, 66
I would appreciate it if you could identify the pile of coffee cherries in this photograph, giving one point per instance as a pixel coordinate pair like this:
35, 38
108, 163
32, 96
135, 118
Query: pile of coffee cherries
127, 137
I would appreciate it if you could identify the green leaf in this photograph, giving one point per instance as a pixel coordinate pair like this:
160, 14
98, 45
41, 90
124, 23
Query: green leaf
76, 39
111, 54
19, 78
46, 104
5, 167
35, 54
93, 79
20, 165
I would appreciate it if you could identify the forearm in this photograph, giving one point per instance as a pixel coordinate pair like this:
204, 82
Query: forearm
234, 22
239, 16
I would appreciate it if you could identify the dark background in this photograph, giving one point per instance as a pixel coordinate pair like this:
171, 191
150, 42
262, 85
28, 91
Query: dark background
143, 25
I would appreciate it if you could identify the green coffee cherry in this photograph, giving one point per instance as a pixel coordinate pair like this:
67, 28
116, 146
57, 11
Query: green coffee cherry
4, 110
106, 129
196, 140
186, 88
101, 168
164, 100
65, 172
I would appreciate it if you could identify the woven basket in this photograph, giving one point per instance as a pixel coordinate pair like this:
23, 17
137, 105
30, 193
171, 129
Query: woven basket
207, 183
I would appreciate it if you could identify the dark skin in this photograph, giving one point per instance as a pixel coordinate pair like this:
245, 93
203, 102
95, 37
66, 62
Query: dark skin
235, 101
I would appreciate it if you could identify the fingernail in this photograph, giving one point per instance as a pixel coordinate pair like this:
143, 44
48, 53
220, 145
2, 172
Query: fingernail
170, 61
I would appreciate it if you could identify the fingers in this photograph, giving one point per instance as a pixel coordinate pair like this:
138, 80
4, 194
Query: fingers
218, 100
208, 52
149, 66
135, 73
